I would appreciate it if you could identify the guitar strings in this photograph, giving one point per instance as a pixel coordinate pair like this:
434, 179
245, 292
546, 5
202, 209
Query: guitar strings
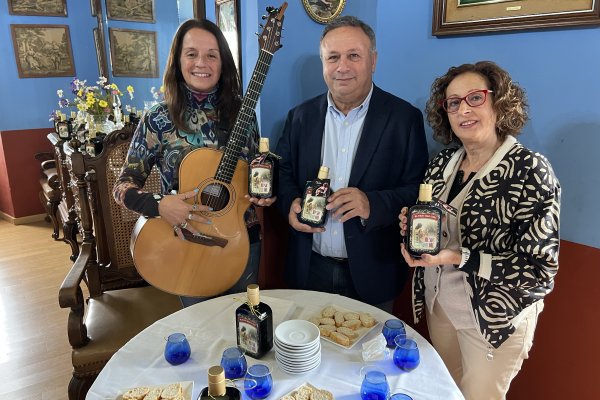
216, 200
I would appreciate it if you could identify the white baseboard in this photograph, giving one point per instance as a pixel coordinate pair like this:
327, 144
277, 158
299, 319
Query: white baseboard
22, 220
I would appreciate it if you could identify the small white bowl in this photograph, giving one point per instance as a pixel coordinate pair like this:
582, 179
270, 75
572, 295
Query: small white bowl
297, 333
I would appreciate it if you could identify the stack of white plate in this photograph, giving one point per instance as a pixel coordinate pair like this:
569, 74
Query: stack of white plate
297, 346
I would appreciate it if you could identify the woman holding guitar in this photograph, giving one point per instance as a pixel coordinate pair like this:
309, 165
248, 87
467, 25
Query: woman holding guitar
202, 99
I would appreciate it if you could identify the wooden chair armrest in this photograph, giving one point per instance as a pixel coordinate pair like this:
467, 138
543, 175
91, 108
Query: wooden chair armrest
70, 296
44, 155
47, 164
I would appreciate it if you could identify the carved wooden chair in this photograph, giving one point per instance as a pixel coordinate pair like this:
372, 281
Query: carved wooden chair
120, 304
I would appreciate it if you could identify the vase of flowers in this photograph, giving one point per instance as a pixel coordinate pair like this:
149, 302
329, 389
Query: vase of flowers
96, 103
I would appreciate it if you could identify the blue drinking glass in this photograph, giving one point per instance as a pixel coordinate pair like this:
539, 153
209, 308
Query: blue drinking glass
406, 355
400, 396
391, 329
374, 386
177, 350
234, 363
258, 382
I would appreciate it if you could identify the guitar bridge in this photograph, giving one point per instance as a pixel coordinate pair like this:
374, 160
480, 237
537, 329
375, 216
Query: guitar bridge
203, 239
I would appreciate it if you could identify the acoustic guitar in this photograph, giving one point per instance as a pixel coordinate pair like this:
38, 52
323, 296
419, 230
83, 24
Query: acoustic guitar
211, 262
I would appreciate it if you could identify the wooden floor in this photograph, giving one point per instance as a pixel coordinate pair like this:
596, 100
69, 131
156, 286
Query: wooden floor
35, 356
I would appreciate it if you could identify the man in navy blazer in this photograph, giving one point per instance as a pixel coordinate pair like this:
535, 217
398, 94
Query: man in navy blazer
374, 145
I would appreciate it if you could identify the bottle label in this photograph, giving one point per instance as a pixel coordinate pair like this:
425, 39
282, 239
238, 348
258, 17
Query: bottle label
260, 176
248, 333
424, 233
315, 200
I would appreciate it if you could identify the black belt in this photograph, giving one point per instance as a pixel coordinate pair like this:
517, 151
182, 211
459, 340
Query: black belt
339, 260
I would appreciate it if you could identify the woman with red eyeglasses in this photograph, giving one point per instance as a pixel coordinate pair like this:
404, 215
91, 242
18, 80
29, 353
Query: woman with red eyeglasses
483, 292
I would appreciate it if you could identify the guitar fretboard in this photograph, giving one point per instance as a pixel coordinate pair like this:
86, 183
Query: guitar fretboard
239, 133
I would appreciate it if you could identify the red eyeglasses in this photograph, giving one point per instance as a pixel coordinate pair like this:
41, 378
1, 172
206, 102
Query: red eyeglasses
475, 98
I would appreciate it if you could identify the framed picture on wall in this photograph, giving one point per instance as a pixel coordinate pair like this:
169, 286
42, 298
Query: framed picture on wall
131, 10
228, 20
133, 53
452, 17
43, 51
50, 8
323, 11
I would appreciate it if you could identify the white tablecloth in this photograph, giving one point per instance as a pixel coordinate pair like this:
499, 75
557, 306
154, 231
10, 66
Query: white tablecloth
210, 328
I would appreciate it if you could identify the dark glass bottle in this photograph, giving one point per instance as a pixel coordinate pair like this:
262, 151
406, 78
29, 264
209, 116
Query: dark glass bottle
424, 228
63, 128
254, 325
314, 200
216, 389
262, 172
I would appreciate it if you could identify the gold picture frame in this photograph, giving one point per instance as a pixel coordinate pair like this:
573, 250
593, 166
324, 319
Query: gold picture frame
42, 51
133, 52
123, 10
323, 11
455, 17
49, 8
228, 20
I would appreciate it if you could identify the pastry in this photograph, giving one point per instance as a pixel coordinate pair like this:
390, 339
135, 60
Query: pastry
340, 338
137, 393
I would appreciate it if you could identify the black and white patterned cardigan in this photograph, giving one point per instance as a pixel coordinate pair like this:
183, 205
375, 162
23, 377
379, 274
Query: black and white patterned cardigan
510, 216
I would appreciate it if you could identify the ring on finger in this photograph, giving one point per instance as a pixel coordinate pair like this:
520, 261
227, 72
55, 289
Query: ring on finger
183, 225
190, 216
194, 208
175, 227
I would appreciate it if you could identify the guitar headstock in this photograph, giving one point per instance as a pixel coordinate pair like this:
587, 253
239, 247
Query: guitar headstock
270, 38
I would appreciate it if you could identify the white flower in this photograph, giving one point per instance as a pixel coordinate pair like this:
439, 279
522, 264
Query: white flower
59, 92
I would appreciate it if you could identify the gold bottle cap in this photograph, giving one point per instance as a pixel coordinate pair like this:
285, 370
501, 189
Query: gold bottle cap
216, 381
425, 192
323, 172
253, 295
263, 145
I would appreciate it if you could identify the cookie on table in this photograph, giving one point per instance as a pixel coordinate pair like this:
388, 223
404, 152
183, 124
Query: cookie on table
328, 312
338, 317
353, 324
320, 394
347, 331
171, 391
137, 393
303, 393
326, 321
153, 394
349, 316
367, 320
340, 338
326, 330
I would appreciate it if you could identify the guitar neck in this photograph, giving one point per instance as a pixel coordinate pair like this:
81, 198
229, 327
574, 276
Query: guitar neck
239, 133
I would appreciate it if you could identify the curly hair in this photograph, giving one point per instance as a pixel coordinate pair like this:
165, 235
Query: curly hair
228, 92
509, 101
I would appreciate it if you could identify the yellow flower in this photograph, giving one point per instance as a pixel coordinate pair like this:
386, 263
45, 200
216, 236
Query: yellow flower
103, 104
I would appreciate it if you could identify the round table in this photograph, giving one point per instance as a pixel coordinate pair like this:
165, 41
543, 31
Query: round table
210, 328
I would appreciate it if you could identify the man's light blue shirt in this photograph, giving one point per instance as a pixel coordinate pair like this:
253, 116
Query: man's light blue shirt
340, 142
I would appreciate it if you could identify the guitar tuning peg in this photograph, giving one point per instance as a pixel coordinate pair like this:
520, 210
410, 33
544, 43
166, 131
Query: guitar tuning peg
263, 17
270, 9
280, 46
261, 26
257, 34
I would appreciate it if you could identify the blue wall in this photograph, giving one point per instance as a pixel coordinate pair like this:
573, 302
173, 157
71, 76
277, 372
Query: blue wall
35, 98
558, 68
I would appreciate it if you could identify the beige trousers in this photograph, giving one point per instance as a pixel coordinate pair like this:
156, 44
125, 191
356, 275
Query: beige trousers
465, 354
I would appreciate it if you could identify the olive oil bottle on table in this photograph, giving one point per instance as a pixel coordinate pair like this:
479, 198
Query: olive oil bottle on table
314, 200
216, 389
254, 325
424, 227
262, 172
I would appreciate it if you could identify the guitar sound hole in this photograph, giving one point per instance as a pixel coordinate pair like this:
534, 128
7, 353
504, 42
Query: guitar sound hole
215, 195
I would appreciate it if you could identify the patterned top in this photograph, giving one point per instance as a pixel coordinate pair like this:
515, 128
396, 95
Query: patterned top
510, 216
157, 141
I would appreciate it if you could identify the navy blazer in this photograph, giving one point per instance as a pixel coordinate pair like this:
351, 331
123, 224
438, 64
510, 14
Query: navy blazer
388, 167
